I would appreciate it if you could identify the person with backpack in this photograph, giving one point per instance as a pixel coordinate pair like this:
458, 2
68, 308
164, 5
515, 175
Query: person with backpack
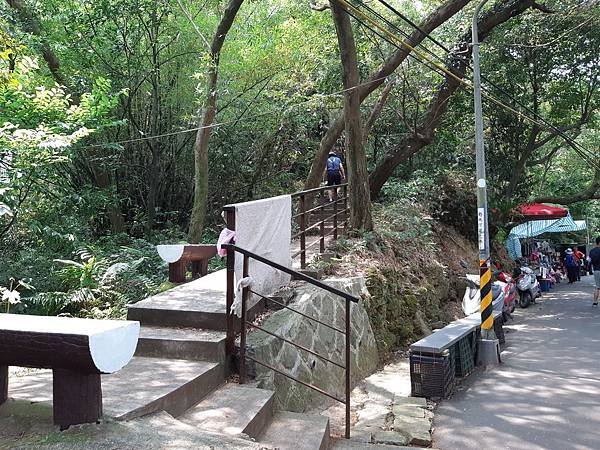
333, 173
571, 265
594, 257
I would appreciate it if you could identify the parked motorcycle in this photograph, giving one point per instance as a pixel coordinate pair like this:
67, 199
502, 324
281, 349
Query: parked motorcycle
504, 296
511, 293
528, 287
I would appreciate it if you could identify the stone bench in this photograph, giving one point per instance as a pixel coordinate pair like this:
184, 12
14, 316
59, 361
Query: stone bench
181, 255
432, 359
77, 351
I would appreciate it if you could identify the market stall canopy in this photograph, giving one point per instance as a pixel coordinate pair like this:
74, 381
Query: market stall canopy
536, 227
540, 211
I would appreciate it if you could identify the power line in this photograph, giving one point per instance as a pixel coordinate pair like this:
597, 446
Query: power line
553, 127
400, 43
229, 122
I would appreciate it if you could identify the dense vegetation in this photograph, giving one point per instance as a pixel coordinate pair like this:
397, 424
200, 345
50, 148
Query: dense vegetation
125, 123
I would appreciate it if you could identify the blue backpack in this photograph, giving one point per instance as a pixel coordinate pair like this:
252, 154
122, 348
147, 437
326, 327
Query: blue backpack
333, 164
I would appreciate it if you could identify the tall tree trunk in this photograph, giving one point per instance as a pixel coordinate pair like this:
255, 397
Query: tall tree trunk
31, 24
356, 160
433, 21
155, 114
209, 112
423, 135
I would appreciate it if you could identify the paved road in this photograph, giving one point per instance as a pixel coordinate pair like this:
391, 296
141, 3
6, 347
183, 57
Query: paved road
546, 394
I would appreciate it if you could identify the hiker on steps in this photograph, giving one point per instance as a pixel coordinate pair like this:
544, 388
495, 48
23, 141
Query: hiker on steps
334, 171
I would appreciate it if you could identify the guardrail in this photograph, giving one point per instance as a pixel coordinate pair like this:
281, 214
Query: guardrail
244, 324
306, 209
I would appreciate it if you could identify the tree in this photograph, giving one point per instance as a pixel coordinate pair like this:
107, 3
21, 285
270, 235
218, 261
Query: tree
424, 133
209, 111
360, 202
438, 17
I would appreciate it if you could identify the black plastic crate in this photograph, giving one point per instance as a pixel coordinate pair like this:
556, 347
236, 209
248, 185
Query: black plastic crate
464, 355
432, 375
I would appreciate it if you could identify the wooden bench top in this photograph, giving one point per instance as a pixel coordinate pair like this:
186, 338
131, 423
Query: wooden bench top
86, 345
444, 338
177, 252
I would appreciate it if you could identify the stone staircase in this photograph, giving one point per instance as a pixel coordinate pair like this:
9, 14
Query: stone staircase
188, 324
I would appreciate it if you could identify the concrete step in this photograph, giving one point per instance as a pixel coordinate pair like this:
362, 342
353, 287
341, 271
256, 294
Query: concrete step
295, 431
181, 343
197, 304
344, 444
144, 386
233, 409
188, 305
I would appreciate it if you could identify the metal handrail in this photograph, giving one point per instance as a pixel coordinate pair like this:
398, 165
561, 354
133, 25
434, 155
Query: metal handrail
244, 323
317, 208
271, 299
297, 275
315, 190
304, 213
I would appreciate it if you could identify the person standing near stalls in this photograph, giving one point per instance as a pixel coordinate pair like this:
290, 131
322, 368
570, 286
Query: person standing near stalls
571, 265
333, 173
595, 262
579, 259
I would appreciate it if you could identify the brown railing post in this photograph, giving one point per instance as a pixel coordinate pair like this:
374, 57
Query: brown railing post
302, 231
322, 230
230, 294
348, 341
346, 212
245, 292
335, 213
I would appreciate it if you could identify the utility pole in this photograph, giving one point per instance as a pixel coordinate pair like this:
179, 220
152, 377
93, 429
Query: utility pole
488, 346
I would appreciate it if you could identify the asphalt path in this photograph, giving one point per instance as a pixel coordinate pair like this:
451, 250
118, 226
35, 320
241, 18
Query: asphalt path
545, 394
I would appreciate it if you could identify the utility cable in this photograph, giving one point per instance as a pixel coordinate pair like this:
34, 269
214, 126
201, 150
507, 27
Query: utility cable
229, 122
399, 43
548, 124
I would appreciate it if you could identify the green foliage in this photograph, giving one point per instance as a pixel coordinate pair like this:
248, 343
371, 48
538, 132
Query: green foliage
93, 175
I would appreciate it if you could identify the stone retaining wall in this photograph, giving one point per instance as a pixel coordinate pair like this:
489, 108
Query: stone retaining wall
327, 308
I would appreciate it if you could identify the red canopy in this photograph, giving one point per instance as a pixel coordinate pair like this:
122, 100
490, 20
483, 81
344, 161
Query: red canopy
540, 211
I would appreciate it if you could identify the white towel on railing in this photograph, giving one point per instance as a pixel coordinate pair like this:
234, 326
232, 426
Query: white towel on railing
236, 307
264, 227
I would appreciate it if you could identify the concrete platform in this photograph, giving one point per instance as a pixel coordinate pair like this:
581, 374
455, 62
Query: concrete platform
233, 409
197, 304
144, 386
182, 343
294, 431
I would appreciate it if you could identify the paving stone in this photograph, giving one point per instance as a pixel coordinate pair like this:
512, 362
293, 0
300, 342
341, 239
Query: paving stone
418, 430
408, 411
363, 434
391, 438
410, 401
373, 414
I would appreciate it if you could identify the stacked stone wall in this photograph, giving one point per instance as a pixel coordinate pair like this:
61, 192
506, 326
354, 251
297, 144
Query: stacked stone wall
327, 308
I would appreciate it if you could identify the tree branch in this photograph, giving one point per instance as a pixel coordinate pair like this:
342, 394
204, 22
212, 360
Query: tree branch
591, 193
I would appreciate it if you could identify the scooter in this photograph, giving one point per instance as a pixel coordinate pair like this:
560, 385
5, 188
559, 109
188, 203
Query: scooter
503, 297
528, 286
511, 293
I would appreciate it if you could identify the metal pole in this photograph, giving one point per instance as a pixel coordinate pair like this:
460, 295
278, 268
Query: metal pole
243, 324
485, 283
347, 374
229, 296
